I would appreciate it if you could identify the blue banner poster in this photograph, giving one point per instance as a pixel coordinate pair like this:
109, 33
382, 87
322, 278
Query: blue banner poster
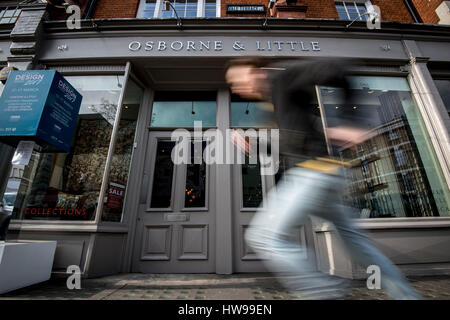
39, 105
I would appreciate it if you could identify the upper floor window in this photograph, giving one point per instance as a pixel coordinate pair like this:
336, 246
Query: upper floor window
351, 10
184, 8
9, 14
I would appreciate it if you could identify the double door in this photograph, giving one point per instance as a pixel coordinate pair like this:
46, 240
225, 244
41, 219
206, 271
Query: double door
177, 230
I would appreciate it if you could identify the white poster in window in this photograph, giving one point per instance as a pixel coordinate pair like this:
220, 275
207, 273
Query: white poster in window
23, 153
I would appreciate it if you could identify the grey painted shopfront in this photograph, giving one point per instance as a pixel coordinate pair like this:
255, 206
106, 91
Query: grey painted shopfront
132, 73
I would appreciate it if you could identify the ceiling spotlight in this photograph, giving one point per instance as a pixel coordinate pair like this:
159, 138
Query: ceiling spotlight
370, 91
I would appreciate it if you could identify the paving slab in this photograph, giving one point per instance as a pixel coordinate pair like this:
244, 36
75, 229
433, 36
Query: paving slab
136, 286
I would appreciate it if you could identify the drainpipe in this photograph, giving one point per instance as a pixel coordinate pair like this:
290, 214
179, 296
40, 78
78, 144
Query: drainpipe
412, 10
90, 10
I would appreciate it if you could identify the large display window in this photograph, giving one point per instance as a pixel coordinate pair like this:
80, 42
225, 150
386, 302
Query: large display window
66, 186
396, 172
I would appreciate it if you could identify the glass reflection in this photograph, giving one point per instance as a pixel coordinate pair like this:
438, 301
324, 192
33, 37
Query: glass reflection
396, 173
181, 109
123, 152
66, 186
163, 175
252, 192
195, 191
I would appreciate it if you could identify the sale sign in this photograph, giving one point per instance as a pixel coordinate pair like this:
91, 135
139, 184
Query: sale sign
116, 194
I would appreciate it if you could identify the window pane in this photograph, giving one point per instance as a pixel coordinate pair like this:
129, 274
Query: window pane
66, 186
398, 174
9, 13
169, 113
252, 114
149, 10
362, 9
443, 87
191, 14
341, 12
163, 175
195, 191
251, 185
167, 14
123, 151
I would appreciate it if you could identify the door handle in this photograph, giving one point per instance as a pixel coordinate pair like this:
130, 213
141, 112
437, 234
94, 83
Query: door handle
144, 189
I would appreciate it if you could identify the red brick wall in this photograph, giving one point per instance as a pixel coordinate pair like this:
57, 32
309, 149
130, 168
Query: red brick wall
393, 10
325, 9
426, 10
116, 9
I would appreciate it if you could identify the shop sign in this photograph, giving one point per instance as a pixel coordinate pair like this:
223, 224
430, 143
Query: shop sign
40, 106
246, 8
116, 194
202, 46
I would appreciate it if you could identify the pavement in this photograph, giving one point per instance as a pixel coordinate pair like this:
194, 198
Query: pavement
136, 286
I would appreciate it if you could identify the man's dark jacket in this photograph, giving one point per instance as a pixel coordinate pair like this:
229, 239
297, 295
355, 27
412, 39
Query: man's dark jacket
293, 88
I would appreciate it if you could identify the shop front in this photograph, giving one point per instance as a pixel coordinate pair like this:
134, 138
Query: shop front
118, 203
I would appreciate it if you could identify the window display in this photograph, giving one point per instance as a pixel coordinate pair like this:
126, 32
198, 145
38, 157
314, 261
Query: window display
66, 186
396, 172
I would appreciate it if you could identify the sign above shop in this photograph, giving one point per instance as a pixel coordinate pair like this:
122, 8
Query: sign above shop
40, 106
219, 45
246, 8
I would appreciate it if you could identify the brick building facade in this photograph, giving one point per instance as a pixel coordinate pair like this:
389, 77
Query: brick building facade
391, 10
427, 10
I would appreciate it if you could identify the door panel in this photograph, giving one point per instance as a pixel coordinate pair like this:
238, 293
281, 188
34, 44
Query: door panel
176, 220
250, 187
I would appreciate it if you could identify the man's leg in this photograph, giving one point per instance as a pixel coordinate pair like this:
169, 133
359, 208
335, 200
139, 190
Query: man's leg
357, 243
269, 233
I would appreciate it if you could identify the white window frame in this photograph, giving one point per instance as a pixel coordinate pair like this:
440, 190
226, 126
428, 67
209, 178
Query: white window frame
160, 5
366, 3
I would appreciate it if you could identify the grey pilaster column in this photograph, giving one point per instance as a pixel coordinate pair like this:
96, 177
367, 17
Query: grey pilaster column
430, 104
224, 219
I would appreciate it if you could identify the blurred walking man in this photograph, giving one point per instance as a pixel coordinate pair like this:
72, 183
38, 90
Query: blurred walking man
313, 183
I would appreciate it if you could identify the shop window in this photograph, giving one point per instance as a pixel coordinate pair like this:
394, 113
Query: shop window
351, 10
123, 152
181, 109
9, 15
184, 9
66, 186
396, 173
443, 87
